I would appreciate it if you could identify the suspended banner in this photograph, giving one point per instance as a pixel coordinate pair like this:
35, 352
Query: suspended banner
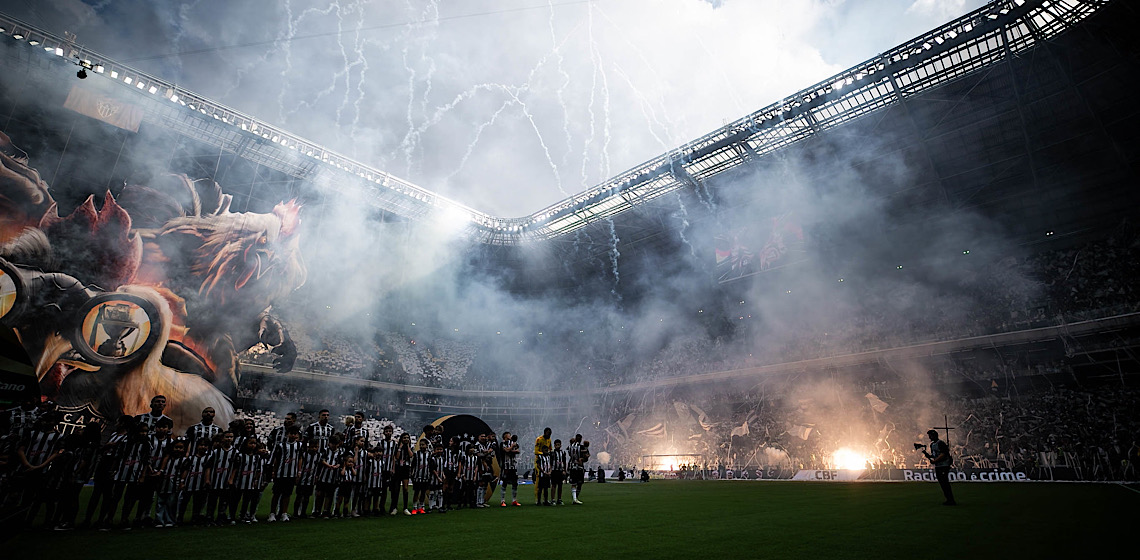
104, 107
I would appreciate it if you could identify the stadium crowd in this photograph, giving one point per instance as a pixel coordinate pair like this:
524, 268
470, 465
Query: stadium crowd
1048, 288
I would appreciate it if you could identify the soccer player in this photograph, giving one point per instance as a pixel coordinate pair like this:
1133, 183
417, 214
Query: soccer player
468, 476
348, 479
195, 482
387, 448
206, 429
131, 469
222, 500
321, 430
357, 429
374, 481
509, 471
105, 467
542, 446
86, 449
285, 461
150, 419
423, 469
486, 473
578, 455
328, 475
403, 467
359, 454
306, 478
280, 434
39, 447
167, 483
559, 459
450, 466
542, 473
159, 441
245, 477
435, 491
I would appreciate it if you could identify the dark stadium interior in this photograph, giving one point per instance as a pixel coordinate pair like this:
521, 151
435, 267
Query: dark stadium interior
966, 254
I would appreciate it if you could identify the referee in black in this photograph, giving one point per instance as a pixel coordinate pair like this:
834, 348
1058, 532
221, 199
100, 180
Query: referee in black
939, 456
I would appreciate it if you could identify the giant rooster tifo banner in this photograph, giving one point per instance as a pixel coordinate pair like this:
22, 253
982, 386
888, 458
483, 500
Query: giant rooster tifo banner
758, 247
155, 291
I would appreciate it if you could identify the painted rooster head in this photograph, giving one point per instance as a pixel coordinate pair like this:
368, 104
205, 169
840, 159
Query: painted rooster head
244, 257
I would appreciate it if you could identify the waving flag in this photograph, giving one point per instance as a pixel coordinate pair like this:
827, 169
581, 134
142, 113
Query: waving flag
658, 430
876, 403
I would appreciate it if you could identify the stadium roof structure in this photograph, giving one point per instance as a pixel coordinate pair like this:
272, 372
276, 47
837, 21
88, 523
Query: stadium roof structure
983, 38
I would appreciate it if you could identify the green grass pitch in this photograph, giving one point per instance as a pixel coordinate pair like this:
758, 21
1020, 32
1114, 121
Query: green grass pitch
676, 519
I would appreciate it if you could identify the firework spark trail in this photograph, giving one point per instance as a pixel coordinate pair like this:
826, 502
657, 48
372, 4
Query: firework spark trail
701, 190
560, 92
347, 72
433, 7
359, 43
683, 213
614, 255
478, 132
303, 104
180, 24
411, 138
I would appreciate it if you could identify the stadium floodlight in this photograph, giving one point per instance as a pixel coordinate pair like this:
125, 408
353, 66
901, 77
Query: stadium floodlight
17, 36
99, 68
59, 51
33, 42
128, 80
153, 89
174, 98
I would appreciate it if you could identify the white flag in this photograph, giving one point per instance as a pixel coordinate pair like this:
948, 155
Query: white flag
741, 430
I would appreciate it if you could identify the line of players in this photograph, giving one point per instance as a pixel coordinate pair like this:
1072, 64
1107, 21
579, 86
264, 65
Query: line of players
220, 474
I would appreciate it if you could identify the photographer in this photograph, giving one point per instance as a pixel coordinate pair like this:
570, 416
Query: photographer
939, 456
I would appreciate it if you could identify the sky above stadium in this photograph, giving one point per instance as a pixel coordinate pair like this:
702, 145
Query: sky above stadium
507, 106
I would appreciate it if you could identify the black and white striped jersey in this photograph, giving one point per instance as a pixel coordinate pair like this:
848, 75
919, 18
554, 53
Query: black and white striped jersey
158, 450
20, 420
423, 464
510, 460
310, 464
221, 461
387, 449
150, 420
247, 471
542, 463
574, 453
349, 474
330, 474
199, 431
170, 471
559, 459
86, 458
451, 459
133, 460
194, 468
286, 459
353, 432
469, 468
374, 477
39, 445
320, 434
